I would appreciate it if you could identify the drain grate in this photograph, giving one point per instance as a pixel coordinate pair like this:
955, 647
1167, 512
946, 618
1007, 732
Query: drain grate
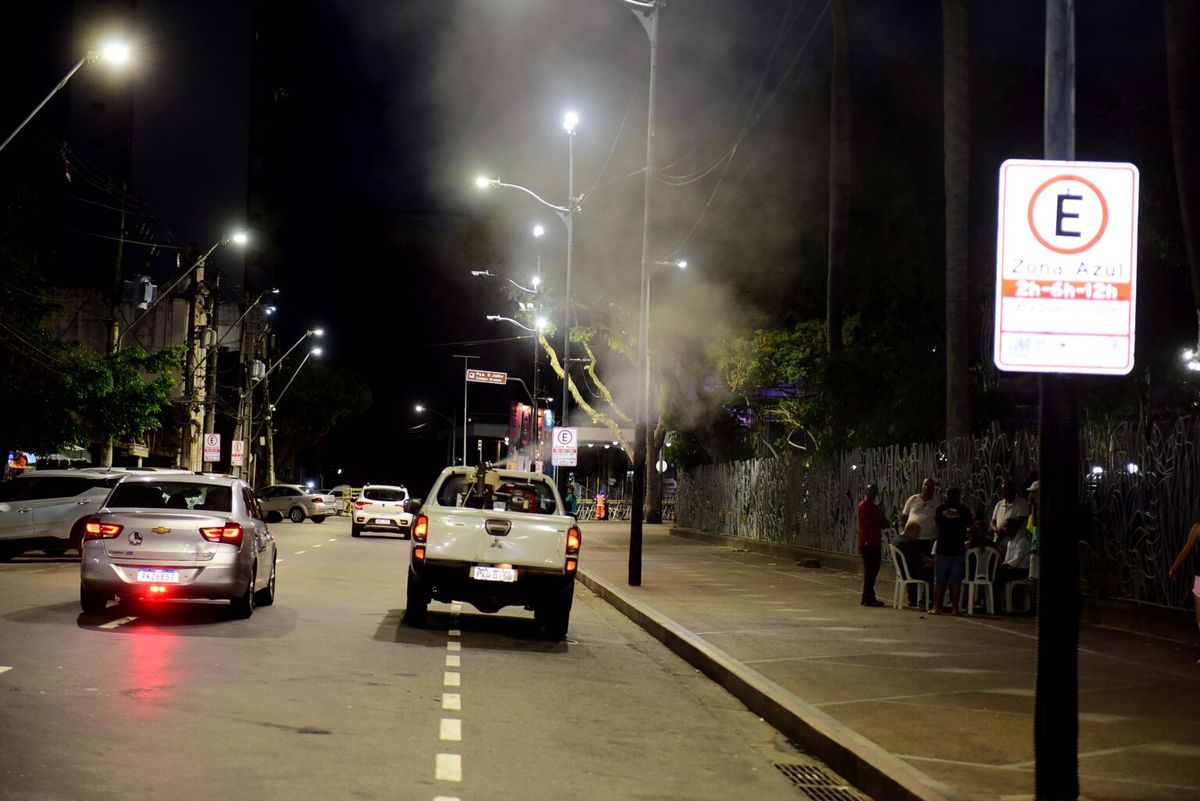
818, 785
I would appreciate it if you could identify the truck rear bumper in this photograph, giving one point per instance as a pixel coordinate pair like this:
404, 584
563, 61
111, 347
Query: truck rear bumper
453, 582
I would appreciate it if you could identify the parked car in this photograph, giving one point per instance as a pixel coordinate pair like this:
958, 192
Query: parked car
40, 509
381, 507
294, 502
178, 536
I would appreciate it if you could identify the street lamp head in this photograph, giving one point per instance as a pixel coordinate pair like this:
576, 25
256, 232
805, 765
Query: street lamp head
482, 182
270, 310
538, 232
493, 317
541, 323
116, 53
419, 408
239, 238
570, 120
537, 281
681, 264
315, 351
316, 332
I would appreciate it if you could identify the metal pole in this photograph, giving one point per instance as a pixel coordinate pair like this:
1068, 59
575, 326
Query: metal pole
570, 253
86, 59
210, 391
639, 437
465, 362
1056, 704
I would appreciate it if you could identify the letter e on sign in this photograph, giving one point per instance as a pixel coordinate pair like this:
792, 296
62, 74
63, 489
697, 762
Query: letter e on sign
1066, 267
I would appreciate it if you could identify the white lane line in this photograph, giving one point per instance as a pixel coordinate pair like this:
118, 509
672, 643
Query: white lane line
454, 646
446, 798
451, 701
4, 668
451, 729
454, 633
278, 560
318, 545
453, 660
112, 624
332, 539
449, 768
451, 679
300, 552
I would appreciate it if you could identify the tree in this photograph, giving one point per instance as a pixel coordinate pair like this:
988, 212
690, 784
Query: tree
956, 107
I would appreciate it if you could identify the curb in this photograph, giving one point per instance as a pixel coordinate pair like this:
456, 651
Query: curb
864, 764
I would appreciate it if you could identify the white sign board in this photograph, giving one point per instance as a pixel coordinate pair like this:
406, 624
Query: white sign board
566, 447
487, 377
1066, 267
212, 447
237, 453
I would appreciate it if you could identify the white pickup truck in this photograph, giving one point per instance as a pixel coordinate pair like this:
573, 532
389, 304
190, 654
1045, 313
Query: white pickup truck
494, 538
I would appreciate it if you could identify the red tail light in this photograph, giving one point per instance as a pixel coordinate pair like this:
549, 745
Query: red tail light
419, 553
318, 499
420, 529
360, 504
574, 538
230, 532
93, 529
572, 565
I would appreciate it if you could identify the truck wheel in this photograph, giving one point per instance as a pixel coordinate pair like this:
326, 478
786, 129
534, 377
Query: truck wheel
318, 518
554, 614
296, 514
355, 530
416, 609
92, 603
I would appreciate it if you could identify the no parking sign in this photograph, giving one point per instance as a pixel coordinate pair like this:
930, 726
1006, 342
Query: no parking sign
566, 447
212, 447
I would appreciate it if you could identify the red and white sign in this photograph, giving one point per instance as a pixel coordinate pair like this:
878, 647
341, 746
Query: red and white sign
487, 377
212, 447
237, 453
1066, 267
565, 452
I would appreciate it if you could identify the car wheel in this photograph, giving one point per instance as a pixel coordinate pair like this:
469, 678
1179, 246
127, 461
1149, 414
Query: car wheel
6, 555
554, 614
92, 603
266, 596
296, 514
416, 609
355, 530
243, 605
320, 519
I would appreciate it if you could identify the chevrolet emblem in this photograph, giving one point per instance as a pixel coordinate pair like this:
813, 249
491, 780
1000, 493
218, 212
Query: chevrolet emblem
161, 530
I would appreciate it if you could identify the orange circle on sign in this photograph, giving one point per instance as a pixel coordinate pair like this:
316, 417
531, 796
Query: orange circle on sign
1103, 214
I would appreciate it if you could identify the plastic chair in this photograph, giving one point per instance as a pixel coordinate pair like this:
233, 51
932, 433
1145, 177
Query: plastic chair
904, 580
1026, 597
979, 577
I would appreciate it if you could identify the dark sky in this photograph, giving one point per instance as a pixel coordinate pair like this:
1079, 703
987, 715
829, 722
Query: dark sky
397, 106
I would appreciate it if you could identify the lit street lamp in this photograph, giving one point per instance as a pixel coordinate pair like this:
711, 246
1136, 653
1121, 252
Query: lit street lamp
116, 53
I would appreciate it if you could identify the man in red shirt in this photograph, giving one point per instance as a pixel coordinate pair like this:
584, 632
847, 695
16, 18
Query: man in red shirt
871, 521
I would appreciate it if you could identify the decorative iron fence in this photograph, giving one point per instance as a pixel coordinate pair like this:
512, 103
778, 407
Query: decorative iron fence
1138, 497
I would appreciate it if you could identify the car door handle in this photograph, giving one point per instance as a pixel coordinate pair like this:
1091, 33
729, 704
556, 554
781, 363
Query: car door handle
82, 503
26, 509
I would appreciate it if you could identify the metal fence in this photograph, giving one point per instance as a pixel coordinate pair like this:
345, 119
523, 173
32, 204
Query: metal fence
1139, 496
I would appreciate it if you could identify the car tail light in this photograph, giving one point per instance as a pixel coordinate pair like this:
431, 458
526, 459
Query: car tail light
318, 499
419, 553
572, 565
420, 529
230, 532
574, 537
158, 591
93, 529
360, 504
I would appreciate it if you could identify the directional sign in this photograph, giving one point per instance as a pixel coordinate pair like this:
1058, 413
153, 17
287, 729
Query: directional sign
487, 377
237, 453
1066, 267
566, 447
212, 447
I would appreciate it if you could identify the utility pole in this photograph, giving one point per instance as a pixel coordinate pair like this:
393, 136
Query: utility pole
268, 421
114, 312
194, 370
210, 389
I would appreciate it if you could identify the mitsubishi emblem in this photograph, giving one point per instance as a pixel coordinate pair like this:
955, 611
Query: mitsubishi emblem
135, 538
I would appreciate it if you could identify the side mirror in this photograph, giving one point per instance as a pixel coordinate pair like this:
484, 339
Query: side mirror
414, 505
274, 517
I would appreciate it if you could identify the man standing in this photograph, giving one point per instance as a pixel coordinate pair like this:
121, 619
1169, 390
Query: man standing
949, 562
871, 521
919, 509
1009, 514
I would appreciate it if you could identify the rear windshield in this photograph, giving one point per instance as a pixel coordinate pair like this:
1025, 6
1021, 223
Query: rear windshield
381, 494
512, 495
171, 495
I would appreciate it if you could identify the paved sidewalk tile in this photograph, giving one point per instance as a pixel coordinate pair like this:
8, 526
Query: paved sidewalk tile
950, 697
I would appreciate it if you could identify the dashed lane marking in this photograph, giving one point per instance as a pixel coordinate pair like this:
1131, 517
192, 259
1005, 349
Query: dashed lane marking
332, 539
300, 552
318, 545
445, 798
454, 646
453, 660
451, 678
451, 730
454, 633
451, 701
4, 668
449, 768
112, 624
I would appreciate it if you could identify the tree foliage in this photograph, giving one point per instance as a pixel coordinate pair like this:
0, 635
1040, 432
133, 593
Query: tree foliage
120, 395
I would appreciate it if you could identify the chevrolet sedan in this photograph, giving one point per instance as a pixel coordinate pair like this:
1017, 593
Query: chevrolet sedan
178, 537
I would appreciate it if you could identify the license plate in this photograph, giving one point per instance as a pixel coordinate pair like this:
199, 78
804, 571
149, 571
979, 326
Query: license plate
151, 576
382, 521
482, 573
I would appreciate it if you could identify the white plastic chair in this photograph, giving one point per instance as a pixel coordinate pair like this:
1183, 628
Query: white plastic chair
1026, 595
979, 577
904, 580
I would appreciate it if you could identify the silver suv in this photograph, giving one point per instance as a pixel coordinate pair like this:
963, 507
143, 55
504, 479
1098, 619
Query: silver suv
41, 510
381, 507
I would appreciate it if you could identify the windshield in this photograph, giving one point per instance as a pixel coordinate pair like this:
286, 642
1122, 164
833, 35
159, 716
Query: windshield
512, 494
171, 495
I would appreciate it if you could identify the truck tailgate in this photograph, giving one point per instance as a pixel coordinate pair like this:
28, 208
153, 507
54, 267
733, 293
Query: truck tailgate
480, 536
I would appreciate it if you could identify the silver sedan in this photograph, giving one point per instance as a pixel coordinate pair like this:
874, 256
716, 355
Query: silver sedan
178, 536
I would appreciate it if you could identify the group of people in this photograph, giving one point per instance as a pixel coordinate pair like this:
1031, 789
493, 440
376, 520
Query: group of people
936, 534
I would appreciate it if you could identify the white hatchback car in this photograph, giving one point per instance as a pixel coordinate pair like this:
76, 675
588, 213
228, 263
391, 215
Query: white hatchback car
382, 507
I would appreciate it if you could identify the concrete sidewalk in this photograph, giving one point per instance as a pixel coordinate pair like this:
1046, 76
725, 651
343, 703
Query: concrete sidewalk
902, 704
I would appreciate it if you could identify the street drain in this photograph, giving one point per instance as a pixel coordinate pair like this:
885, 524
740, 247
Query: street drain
818, 785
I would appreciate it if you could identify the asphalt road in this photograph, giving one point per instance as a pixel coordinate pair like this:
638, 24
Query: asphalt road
327, 695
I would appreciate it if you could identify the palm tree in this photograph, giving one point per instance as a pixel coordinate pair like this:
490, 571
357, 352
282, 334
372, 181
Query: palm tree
956, 105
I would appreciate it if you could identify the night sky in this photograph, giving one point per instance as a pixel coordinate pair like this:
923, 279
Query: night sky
396, 107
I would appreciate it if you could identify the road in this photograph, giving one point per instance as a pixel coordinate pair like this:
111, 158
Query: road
327, 695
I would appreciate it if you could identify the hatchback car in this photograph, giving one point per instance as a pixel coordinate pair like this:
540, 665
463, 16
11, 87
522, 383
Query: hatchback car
382, 507
294, 502
40, 510
178, 536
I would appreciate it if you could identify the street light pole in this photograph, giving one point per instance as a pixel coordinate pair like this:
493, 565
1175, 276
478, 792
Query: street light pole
647, 14
569, 122
466, 361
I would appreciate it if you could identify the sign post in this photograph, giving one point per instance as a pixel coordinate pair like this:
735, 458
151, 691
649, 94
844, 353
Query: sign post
565, 451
